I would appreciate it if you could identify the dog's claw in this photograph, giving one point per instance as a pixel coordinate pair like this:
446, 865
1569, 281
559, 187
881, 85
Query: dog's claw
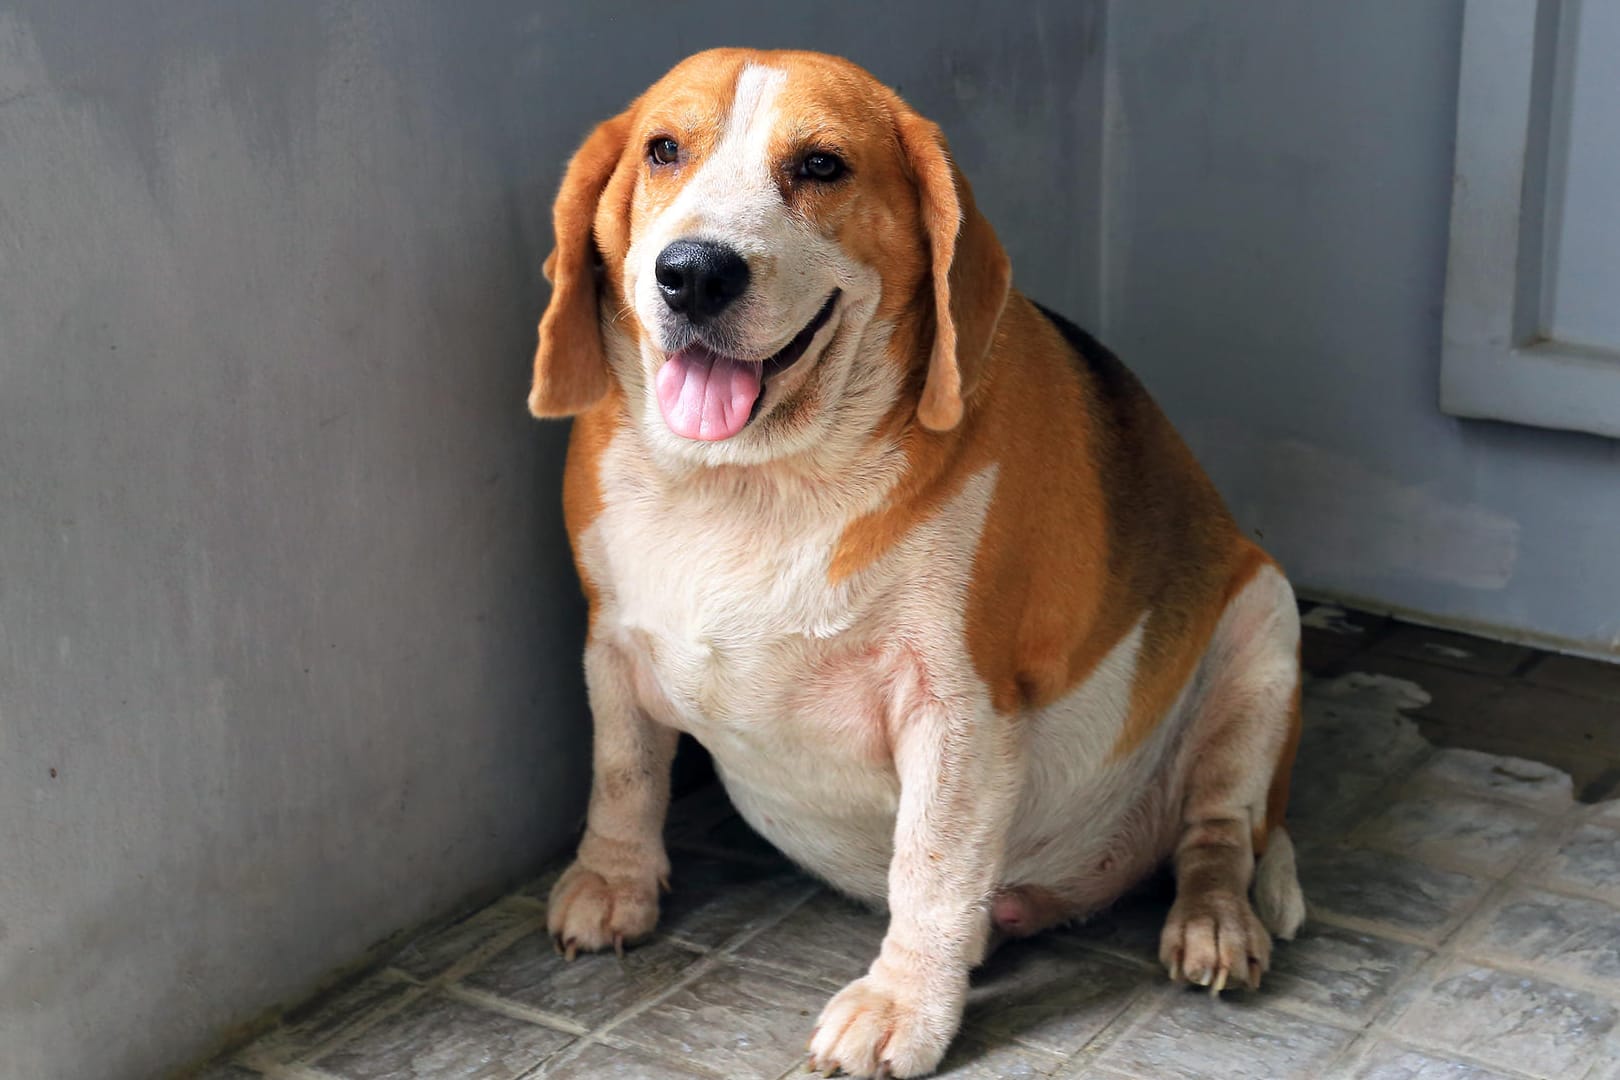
618, 945
556, 943
1175, 969
882, 1072
570, 952
1219, 984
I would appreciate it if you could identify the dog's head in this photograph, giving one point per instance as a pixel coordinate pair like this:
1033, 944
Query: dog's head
765, 249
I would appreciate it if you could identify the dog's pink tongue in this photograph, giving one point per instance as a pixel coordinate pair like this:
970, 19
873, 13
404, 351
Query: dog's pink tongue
706, 396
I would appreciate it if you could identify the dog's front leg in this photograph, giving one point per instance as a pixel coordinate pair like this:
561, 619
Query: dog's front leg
610, 894
958, 785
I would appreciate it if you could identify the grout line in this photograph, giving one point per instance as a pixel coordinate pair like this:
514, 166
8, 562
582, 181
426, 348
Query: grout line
697, 970
703, 966
1433, 1048
1405, 1042
1138, 995
1348, 1055
1464, 866
515, 1009
1152, 1002
1397, 934
1603, 988
354, 1026
1571, 890
473, 960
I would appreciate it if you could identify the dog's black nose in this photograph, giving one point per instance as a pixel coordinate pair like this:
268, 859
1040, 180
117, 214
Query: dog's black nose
700, 277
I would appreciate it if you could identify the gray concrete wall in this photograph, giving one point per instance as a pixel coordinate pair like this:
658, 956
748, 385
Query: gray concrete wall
288, 641
1277, 196
288, 638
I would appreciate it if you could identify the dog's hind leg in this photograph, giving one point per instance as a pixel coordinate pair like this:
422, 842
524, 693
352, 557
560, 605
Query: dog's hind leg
1235, 764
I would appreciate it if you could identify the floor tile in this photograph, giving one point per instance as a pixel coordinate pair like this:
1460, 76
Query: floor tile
1574, 675
1050, 992
1195, 1037
1343, 972
826, 941
1526, 781
590, 989
740, 1022
601, 1062
310, 1026
1326, 801
1453, 827
1583, 773
711, 899
1390, 1061
1562, 935
1531, 1025
1588, 858
1388, 889
1355, 722
970, 1060
1446, 649
438, 1036
433, 953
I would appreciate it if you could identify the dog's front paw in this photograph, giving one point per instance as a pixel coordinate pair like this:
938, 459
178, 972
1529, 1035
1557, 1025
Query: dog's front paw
878, 1027
590, 911
1214, 938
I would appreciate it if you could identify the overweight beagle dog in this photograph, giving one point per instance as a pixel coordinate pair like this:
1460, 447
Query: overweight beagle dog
964, 626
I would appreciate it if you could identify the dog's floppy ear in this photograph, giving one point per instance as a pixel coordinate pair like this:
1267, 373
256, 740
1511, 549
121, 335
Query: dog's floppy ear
570, 365
971, 274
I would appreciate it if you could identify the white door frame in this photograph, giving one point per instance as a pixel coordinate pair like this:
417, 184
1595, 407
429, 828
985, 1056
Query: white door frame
1496, 361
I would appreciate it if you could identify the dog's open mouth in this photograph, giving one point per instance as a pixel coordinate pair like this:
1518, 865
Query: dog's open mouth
709, 396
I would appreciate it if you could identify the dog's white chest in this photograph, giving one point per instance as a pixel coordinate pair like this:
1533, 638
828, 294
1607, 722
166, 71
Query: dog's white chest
736, 636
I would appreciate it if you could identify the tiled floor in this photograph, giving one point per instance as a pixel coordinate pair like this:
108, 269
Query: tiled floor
1465, 924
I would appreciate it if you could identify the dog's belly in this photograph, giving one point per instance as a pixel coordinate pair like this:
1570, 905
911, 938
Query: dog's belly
798, 732
798, 729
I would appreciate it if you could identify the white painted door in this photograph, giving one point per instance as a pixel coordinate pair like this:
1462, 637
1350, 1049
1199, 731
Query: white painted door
1532, 325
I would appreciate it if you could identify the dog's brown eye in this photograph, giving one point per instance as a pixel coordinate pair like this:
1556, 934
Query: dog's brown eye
822, 166
664, 151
